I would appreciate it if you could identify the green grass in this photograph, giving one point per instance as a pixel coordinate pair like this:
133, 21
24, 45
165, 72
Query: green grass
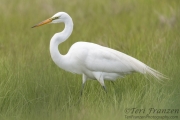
32, 87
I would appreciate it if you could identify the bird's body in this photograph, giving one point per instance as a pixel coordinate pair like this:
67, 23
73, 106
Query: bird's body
89, 59
92, 60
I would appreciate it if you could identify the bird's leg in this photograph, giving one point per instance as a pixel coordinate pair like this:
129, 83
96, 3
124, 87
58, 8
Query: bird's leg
112, 82
83, 82
104, 87
82, 89
100, 78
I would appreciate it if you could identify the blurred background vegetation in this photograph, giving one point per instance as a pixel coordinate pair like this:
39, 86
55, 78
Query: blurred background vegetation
32, 87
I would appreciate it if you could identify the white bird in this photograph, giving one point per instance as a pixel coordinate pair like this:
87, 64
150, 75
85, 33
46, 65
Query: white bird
91, 60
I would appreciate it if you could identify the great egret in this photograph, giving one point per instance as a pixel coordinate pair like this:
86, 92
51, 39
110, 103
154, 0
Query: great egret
92, 60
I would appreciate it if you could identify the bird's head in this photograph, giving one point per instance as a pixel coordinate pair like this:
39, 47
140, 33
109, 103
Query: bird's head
57, 18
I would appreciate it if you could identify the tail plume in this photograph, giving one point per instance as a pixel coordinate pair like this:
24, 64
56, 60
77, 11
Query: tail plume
144, 69
155, 74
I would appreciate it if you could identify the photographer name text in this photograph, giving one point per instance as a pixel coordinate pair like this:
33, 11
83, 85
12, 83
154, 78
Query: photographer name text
150, 111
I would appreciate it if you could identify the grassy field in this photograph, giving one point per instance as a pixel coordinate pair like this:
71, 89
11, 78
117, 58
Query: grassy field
32, 87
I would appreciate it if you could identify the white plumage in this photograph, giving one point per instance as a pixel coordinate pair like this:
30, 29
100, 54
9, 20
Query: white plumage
92, 60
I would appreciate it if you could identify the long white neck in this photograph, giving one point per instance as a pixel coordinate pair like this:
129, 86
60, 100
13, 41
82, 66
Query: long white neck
57, 39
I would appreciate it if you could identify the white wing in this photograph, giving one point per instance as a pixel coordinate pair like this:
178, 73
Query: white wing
102, 59
108, 60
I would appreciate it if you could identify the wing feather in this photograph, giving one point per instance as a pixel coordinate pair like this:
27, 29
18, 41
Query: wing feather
102, 59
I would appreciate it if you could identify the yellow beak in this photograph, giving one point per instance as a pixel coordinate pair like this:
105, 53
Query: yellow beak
43, 22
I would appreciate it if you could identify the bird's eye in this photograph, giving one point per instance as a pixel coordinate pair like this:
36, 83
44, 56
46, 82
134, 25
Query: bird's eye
55, 18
